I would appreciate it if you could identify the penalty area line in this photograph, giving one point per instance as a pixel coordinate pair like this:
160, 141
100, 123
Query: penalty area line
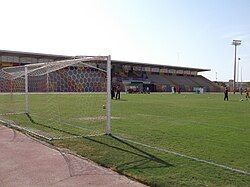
186, 156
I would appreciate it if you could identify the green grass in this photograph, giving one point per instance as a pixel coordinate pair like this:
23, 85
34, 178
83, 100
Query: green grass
202, 126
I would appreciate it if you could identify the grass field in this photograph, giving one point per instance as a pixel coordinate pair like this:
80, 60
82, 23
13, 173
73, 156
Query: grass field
199, 126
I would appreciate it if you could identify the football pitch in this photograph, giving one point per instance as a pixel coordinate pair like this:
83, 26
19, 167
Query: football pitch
158, 139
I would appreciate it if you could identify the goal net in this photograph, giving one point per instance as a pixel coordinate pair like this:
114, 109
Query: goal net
58, 99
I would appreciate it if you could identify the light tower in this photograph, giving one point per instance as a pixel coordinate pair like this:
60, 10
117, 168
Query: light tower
238, 69
235, 43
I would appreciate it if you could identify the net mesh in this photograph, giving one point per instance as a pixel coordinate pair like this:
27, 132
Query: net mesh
65, 98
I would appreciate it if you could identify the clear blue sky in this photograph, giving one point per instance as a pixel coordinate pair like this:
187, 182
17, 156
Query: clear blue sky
193, 33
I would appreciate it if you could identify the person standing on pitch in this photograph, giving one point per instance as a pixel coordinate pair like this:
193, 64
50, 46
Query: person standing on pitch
247, 94
226, 94
118, 92
241, 91
112, 92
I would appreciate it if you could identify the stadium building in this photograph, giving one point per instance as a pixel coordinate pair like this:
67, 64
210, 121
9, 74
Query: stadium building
131, 76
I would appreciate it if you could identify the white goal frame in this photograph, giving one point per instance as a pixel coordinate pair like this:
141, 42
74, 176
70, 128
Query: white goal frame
57, 65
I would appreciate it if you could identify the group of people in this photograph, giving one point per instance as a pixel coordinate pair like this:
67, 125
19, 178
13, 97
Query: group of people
116, 92
176, 89
226, 94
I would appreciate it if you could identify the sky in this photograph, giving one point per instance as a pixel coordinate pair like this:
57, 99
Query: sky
189, 33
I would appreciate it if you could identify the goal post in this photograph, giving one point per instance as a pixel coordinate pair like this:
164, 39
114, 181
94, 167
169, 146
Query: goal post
26, 90
68, 95
108, 104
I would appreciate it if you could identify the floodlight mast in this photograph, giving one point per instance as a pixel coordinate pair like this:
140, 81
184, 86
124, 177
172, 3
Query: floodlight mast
238, 68
235, 43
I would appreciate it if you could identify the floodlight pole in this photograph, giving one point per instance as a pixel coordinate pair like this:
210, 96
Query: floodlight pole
108, 100
235, 43
241, 75
238, 73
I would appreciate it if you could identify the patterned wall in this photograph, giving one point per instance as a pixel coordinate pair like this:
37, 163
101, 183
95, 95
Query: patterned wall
71, 79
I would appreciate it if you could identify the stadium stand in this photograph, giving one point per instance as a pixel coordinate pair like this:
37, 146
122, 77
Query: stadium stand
159, 78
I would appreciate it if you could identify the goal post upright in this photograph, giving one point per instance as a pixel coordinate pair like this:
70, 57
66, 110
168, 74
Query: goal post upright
47, 78
85, 75
108, 100
26, 89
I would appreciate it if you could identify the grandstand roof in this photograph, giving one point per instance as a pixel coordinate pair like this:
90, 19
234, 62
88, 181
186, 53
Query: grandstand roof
62, 57
160, 65
30, 54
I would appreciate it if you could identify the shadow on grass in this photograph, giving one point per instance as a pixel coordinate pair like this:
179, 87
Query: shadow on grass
50, 127
140, 164
147, 160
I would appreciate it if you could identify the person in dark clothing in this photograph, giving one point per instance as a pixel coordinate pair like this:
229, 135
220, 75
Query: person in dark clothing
179, 90
247, 94
112, 92
226, 94
241, 91
118, 92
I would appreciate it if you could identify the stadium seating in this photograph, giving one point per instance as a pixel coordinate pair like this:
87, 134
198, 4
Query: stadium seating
159, 79
164, 82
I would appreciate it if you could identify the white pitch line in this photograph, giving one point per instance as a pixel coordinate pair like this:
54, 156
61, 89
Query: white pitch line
186, 156
12, 113
150, 115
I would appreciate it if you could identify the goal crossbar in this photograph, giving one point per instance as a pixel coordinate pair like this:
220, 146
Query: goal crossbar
26, 72
42, 68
